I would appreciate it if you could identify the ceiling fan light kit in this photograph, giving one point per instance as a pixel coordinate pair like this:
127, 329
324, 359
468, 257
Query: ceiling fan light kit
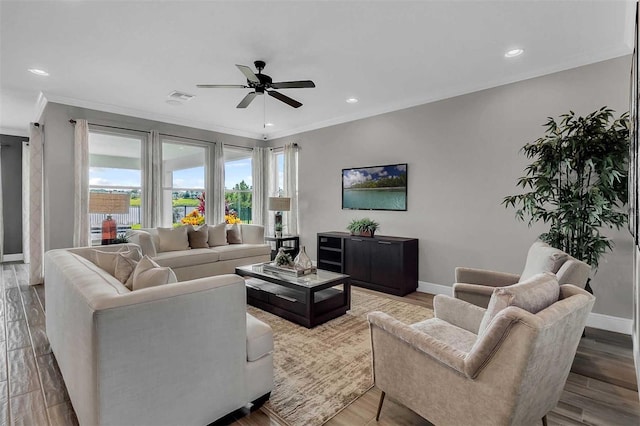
262, 83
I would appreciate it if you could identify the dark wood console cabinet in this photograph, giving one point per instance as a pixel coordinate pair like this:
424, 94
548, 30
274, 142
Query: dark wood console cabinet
382, 263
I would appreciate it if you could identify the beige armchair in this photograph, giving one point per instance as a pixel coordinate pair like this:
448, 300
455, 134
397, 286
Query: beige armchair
476, 285
505, 365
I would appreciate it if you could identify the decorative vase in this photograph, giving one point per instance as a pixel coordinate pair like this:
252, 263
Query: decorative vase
282, 258
278, 234
302, 260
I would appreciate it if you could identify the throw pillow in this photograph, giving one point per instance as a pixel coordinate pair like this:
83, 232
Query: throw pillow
542, 258
124, 269
233, 234
198, 237
173, 239
533, 295
149, 274
218, 235
107, 259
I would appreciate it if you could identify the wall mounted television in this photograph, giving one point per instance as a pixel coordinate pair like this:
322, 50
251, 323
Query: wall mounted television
375, 188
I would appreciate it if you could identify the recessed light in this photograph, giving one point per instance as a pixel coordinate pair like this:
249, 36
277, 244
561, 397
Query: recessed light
39, 72
173, 102
268, 124
513, 53
352, 100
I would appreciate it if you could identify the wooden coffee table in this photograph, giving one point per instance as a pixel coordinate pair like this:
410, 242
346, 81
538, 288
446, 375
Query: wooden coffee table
308, 300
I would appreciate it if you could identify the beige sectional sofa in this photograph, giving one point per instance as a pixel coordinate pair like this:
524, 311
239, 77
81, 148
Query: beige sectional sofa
184, 353
219, 258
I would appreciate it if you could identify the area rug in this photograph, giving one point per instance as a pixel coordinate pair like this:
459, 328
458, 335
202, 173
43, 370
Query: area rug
319, 372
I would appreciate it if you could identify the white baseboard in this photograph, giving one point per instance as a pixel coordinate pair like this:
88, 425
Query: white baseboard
595, 320
12, 257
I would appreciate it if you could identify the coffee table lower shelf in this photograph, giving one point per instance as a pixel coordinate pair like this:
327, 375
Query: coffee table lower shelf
307, 306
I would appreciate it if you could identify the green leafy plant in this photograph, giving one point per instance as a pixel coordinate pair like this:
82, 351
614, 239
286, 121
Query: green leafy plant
283, 258
363, 226
121, 239
577, 182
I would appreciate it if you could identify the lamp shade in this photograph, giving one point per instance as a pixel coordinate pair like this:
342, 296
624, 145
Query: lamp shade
108, 203
279, 204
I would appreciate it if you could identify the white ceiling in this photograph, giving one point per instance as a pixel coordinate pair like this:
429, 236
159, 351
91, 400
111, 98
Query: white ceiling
126, 57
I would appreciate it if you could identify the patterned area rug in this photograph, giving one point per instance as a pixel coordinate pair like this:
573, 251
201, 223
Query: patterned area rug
319, 372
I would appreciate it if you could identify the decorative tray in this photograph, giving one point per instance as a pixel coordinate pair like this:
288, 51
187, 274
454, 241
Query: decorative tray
291, 271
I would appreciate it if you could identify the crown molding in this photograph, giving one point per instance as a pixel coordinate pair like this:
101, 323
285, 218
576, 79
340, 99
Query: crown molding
460, 90
14, 132
132, 112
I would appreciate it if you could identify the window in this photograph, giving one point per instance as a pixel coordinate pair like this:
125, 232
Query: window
114, 173
238, 184
279, 174
183, 182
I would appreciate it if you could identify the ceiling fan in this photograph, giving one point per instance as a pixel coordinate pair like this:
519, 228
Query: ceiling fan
262, 83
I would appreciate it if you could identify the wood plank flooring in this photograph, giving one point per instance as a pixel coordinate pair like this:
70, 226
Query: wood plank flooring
601, 390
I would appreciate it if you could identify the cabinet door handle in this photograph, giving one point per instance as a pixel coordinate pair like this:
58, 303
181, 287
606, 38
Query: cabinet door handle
356, 239
384, 242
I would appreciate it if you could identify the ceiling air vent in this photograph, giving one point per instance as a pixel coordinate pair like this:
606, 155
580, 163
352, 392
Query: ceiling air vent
180, 96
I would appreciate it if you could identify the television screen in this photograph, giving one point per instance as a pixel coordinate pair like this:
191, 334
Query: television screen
375, 188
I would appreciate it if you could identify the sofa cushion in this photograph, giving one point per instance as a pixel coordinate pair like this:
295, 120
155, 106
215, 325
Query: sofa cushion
542, 258
149, 274
252, 234
107, 259
173, 239
532, 295
237, 251
456, 337
218, 235
181, 259
124, 269
198, 237
234, 235
259, 339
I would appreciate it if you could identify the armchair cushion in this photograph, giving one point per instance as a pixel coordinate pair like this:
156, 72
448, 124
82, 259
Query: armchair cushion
575, 272
456, 337
542, 258
532, 295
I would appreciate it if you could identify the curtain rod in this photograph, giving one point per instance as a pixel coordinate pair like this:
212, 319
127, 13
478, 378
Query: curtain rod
72, 121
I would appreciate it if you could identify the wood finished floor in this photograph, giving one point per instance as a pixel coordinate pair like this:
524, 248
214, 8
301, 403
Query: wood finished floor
601, 389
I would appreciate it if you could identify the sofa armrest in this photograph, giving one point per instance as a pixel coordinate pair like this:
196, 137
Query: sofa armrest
252, 234
476, 294
485, 277
458, 312
191, 335
429, 345
144, 240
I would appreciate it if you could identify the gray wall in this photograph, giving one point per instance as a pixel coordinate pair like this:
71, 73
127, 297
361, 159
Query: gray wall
12, 192
463, 156
58, 160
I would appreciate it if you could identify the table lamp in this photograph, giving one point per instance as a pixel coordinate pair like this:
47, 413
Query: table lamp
109, 203
279, 205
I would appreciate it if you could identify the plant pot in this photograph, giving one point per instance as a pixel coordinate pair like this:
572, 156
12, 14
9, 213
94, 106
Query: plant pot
367, 234
278, 234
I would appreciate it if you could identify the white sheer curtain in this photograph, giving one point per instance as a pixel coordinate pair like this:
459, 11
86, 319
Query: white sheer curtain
36, 232
82, 227
290, 218
152, 195
215, 195
25, 202
259, 170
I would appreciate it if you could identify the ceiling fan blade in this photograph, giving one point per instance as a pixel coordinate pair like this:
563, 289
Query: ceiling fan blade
287, 100
247, 100
221, 86
293, 84
248, 73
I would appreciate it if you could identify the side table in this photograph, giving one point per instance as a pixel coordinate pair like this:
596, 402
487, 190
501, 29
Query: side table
291, 249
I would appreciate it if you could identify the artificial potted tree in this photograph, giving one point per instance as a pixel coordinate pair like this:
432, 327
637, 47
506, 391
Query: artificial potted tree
577, 182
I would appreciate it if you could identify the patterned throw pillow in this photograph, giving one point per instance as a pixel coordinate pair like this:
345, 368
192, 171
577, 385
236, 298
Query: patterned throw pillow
149, 274
198, 237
